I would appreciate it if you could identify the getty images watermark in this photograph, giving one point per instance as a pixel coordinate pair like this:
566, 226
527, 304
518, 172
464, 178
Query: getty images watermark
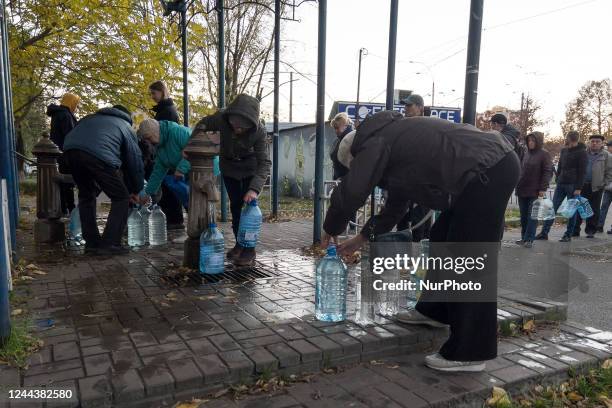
452, 272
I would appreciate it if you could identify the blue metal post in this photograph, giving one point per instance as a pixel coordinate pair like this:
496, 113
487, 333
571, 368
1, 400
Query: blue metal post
221, 89
320, 129
5, 315
8, 168
11, 118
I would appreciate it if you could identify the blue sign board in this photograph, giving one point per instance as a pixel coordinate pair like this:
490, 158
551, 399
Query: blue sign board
367, 109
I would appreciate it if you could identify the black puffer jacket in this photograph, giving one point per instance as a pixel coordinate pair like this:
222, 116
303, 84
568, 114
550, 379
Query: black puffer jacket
536, 170
339, 170
62, 122
108, 136
166, 110
421, 159
513, 136
572, 165
241, 156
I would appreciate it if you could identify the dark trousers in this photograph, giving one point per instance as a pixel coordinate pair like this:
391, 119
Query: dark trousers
528, 225
562, 191
594, 198
66, 197
477, 215
91, 174
171, 205
603, 211
414, 215
236, 189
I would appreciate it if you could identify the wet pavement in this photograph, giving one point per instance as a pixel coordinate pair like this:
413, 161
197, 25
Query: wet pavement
138, 330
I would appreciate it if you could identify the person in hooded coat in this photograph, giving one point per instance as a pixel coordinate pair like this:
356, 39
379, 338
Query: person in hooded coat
536, 172
165, 109
244, 160
466, 173
102, 151
63, 120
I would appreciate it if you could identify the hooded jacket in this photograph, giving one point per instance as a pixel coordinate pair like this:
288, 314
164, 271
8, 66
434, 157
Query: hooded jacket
571, 168
62, 122
108, 136
241, 156
536, 170
339, 170
169, 153
421, 159
166, 110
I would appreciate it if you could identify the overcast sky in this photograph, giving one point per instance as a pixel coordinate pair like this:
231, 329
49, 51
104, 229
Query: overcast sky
547, 48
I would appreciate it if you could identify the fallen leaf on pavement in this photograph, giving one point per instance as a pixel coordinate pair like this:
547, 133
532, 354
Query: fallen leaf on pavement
499, 398
607, 401
16, 312
607, 364
574, 397
529, 326
221, 393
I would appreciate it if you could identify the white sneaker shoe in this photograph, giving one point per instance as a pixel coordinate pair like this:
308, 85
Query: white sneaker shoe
437, 362
414, 317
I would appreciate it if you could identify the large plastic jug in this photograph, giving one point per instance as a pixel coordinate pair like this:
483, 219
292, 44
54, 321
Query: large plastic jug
584, 208
250, 225
212, 251
145, 213
158, 235
75, 232
542, 210
331, 288
568, 208
136, 229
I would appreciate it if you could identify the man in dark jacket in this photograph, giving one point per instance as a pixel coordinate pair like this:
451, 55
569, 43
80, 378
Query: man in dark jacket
597, 175
456, 168
62, 122
414, 106
102, 151
570, 178
244, 160
500, 123
536, 172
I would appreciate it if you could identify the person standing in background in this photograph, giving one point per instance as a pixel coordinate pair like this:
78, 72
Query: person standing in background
63, 120
607, 197
536, 172
164, 110
598, 175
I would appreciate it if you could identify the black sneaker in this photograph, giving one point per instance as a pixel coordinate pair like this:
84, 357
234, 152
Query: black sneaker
590, 235
528, 244
542, 237
576, 234
519, 242
598, 230
609, 231
566, 238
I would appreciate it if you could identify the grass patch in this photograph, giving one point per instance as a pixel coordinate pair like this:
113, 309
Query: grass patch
590, 390
19, 346
28, 187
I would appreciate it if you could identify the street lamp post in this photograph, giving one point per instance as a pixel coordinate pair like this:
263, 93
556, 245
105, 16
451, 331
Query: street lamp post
180, 6
433, 81
362, 52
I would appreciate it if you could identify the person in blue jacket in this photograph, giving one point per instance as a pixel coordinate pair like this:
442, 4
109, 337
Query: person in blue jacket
169, 139
102, 152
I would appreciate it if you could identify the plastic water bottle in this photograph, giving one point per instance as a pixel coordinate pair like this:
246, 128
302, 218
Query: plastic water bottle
542, 210
135, 229
331, 288
157, 227
212, 251
145, 213
584, 208
74, 227
250, 225
418, 276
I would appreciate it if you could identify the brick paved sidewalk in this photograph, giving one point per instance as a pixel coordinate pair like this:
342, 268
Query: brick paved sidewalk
125, 331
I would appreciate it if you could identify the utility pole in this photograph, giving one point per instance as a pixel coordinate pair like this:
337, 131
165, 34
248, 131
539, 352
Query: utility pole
362, 52
291, 96
320, 127
433, 92
392, 53
473, 62
185, 62
277, 17
221, 89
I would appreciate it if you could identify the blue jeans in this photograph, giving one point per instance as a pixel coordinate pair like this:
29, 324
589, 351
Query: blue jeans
605, 204
528, 226
562, 191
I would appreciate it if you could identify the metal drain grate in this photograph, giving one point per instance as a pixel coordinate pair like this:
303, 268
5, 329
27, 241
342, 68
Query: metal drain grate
232, 274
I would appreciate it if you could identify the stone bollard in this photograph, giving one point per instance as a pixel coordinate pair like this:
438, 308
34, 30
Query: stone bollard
48, 228
200, 152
